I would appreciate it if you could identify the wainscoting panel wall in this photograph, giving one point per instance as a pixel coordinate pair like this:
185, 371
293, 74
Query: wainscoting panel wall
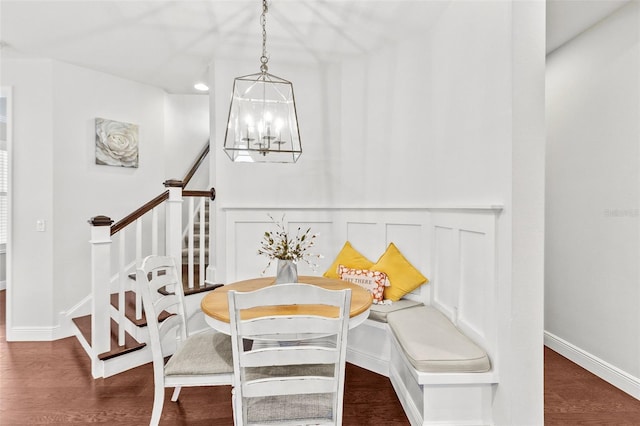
455, 248
464, 272
370, 231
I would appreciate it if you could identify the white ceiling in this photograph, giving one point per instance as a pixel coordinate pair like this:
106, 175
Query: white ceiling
170, 43
568, 18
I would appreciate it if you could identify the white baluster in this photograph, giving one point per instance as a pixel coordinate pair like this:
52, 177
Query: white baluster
190, 243
202, 243
211, 272
154, 231
138, 262
122, 273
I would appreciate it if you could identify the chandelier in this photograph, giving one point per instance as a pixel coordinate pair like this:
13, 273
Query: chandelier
262, 125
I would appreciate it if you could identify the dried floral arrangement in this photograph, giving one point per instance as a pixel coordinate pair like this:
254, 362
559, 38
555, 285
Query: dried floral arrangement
279, 245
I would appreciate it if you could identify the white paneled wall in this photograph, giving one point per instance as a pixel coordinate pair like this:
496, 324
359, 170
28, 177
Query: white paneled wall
454, 248
464, 249
369, 231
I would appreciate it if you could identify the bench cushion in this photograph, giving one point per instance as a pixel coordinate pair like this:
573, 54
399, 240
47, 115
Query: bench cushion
380, 311
433, 344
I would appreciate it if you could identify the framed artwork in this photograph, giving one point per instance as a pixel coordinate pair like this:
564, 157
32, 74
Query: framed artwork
116, 143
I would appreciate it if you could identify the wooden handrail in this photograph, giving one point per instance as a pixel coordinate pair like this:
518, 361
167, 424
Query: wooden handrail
194, 193
139, 212
196, 164
129, 219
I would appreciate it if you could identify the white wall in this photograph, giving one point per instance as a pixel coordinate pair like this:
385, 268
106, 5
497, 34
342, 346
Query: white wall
83, 189
451, 116
56, 179
186, 133
592, 296
32, 197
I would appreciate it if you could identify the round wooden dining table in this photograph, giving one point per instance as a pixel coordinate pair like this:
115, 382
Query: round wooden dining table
216, 307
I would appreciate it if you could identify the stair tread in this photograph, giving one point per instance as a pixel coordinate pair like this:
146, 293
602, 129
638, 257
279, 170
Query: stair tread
84, 326
185, 283
130, 344
196, 280
130, 309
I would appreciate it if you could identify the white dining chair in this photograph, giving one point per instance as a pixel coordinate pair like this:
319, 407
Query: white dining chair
203, 359
293, 373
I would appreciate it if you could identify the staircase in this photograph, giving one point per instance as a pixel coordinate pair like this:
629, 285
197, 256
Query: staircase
114, 333
195, 249
122, 357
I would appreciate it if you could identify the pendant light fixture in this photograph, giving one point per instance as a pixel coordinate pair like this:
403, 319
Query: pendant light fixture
262, 125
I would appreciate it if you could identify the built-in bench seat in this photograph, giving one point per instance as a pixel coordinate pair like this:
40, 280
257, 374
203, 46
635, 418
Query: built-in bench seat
439, 374
433, 344
379, 312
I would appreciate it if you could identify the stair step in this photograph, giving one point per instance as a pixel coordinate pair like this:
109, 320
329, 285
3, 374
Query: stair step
196, 240
130, 309
185, 285
196, 251
196, 257
130, 344
196, 279
196, 225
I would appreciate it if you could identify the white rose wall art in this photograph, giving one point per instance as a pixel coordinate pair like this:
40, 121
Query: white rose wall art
116, 143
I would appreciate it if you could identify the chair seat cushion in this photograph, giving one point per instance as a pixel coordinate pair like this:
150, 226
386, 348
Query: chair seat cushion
379, 312
307, 409
433, 344
203, 353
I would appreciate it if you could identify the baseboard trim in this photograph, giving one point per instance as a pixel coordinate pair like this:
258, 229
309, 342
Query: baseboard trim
368, 362
607, 372
413, 413
3, 285
32, 334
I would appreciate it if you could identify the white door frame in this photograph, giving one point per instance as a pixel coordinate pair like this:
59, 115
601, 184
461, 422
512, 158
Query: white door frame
7, 92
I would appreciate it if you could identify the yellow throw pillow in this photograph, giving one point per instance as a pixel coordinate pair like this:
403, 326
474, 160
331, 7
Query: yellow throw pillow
403, 276
350, 257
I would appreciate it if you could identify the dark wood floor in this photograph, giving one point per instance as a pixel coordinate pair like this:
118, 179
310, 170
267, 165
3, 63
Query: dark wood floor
573, 396
50, 383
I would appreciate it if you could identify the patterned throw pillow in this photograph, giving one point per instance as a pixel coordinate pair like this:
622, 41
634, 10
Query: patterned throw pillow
373, 281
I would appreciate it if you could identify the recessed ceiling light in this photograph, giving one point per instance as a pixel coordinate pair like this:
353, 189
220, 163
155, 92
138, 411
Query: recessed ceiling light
201, 87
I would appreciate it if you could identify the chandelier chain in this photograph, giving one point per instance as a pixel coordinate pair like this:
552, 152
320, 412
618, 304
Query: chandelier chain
263, 21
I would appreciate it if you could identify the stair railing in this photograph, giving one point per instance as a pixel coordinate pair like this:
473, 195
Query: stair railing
137, 235
197, 208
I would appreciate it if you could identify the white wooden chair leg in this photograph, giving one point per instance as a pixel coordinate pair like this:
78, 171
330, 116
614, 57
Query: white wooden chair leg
158, 402
234, 406
176, 393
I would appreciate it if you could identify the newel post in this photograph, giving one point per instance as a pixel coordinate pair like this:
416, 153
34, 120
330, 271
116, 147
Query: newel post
213, 259
174, 223
100, 290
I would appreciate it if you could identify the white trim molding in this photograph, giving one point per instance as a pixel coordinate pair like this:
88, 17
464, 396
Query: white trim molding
33, 334
601, 368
